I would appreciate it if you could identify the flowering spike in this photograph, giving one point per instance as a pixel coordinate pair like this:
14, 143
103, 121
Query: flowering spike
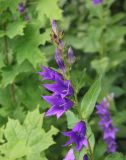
70, 155
59, 60
109, 131
70, 56
77, 136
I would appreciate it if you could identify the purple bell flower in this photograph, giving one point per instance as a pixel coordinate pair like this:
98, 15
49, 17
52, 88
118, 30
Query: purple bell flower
21, 7
96, 2
58, 58
85, 157
61, 87
70, 56
105, 123
59, 105
77, 136
70, 155
50, 74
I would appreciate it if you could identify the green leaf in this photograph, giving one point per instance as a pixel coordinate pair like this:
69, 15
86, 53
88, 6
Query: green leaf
100, 65
53, 12
30, 42
119, 118
91, 138
80, 155
71, 119
90, 98
116, 156
99, 151
15, 28
28, 139
9, 74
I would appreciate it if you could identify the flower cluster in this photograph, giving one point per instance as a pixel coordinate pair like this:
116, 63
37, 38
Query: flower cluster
22, 11
96, 2
62, 90
105, 123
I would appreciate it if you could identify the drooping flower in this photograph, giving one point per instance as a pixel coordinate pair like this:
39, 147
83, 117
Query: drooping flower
105, 123
21, 7
70, 155
96, 2
62, 87
85, 157
50, 74
59, 105
70, 56
77, 136
59, 61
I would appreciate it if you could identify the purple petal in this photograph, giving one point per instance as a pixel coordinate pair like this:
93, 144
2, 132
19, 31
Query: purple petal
70, 56
54, 27
70, 155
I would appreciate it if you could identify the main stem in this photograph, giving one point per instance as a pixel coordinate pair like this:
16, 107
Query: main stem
12, 94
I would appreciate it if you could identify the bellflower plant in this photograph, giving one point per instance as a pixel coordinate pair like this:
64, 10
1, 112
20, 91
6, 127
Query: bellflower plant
62, 92
105, 123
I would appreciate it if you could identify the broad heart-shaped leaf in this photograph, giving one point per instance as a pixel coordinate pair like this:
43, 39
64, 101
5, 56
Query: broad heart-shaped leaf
49, 8
90, 98
116, 156
72, 119
15, 28
28, 140
30, 42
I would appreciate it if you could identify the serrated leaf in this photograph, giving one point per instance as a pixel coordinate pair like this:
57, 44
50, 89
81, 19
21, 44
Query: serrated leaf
27, 139
71, 119
9, 74
90, 98
30, 42
15, 28
53, 12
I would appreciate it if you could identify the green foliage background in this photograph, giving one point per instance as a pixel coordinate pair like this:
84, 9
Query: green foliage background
97, 34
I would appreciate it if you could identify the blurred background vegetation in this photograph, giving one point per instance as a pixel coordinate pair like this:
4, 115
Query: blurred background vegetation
97, 35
